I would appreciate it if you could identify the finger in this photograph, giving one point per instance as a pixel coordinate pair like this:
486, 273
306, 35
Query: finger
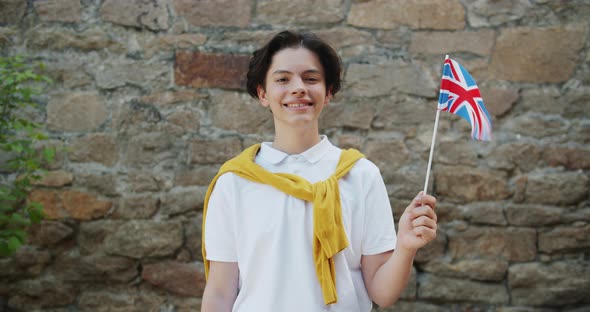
423, 211
428, 200
427, 234
423, 199
424, 221
417, 201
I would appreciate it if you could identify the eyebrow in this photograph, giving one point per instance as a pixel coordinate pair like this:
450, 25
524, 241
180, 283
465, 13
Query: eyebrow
282, 71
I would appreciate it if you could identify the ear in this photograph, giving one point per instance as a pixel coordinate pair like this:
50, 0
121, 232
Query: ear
328, 97
262, 96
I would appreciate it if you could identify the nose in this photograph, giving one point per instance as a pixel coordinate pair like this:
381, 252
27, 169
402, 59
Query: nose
298, 87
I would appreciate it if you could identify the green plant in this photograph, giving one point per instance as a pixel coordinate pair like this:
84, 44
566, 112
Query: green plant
20, 161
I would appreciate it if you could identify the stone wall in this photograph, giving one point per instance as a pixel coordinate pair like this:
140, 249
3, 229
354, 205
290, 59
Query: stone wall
148, 101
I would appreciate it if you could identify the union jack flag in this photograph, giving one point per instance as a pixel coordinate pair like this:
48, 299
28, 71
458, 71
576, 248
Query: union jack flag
460, 95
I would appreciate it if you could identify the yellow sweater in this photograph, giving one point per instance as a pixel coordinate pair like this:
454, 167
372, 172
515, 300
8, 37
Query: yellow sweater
329, 236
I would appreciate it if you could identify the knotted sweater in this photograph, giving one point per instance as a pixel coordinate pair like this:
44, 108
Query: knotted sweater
329, 236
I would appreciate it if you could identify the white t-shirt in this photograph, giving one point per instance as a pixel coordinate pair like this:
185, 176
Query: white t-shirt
269, 233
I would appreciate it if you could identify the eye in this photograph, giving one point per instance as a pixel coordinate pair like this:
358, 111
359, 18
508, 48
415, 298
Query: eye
281, 79
312, 79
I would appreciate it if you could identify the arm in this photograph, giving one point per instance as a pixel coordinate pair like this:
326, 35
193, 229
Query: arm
386, 274
221, 289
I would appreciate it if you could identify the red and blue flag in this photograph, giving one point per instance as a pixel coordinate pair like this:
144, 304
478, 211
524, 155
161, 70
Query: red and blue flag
460, 95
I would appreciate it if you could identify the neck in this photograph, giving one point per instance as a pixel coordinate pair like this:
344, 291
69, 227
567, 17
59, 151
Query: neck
296, 141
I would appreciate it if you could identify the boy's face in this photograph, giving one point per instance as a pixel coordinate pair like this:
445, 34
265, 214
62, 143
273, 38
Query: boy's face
295, 88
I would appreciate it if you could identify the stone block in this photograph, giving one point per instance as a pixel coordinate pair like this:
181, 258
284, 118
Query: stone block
239, 112
546, 100
533, 215
84, 206
303, 12
348, 114
56, 178
512, 244
556, 188
537, 126
168, 99
215, 12
474, 269
71, 73
150, 149
388, 155
12, 11
116, 74
95, 268
406, 182
92, 39
48, 233
109, 300
58, 10
199, 70
571, 156
553, 284
456, 153
43, 293
91, 235
96, 147
369, 80
499, 101
431, 14
485, 13
102, 183
136, 207
178, 201
51, 201
476, 184
61, 204
185, 279
192, 237
522, 155
76, 112
199, 176
565, 238
342, 37
188, 120
519, 52
140, 239
214, 151
434, 287
402, 113
169, 43
144, 181
152, 15
26, 262
491, 213
439, 43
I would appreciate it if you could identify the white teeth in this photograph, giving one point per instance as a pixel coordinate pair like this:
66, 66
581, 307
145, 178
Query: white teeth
296, 105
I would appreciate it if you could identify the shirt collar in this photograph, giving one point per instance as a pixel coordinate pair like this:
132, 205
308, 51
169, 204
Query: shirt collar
312, 155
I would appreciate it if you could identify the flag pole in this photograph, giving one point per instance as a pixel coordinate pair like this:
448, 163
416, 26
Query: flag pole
432, 144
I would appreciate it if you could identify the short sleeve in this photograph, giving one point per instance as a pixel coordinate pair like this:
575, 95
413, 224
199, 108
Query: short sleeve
220, 242
379, 229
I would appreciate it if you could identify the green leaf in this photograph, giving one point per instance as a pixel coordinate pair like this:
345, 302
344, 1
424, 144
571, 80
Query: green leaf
18, 219
14, 244
35, 212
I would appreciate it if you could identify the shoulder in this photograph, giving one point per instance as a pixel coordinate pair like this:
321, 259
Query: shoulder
364, 171
366, 167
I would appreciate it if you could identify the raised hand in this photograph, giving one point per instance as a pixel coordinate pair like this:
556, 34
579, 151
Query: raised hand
417, 225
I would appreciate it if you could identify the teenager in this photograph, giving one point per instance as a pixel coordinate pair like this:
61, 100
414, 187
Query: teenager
297, 224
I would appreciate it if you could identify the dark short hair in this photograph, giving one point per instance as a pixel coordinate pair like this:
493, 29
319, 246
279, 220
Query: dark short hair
262, 58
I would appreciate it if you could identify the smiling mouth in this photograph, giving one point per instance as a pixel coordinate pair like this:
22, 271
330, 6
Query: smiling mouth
297, 105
